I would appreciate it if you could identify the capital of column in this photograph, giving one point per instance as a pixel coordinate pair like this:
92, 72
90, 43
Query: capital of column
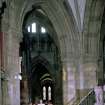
3, 75
67, 60
90, 58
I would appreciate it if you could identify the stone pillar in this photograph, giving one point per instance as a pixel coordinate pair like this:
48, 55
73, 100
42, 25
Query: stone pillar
0, 87
24, 92
10, 90
104, 94
100, 72
87, 77
64, 83
69, 82
0, 90
89, 71
9, 86
5, 92
11, 65
4, 89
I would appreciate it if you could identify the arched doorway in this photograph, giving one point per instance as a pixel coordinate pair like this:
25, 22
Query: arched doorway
41, 77
41, 58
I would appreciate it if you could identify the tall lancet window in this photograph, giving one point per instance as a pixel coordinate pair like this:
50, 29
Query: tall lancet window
29, 29
49, 93
43, 30
44, 93
33, 27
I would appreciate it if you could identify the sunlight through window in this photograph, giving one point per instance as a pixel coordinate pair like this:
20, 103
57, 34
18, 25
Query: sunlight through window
49, 93
44, 93
43, 30
29, 29
33, 27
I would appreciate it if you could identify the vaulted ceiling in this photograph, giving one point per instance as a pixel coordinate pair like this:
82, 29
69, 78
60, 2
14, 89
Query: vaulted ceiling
73, 21
56, 12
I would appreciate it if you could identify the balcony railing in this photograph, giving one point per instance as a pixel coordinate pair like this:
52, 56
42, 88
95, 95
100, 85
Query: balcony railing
89, 99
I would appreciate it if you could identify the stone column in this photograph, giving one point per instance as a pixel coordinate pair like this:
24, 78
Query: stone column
24, 92
90, 75
11, 65
64, 83
4, 89
87, 70
100, 72
10, 90
5, 92
0, 90
69, 82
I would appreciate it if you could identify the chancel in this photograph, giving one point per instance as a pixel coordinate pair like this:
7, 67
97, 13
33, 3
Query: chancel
41, 103
52, 52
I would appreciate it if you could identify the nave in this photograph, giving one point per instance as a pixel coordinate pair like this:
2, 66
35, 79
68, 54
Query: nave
52, 52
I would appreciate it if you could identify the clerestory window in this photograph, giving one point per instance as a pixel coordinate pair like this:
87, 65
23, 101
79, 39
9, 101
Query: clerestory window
35, 28
43, 30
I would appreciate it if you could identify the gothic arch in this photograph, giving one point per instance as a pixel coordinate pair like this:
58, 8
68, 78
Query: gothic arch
92, 35
92, 24
42, 61
65, 28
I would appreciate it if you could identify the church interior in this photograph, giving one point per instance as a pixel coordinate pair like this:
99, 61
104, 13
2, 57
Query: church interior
52, 52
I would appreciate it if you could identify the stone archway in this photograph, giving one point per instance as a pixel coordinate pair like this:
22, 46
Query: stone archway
36, 55
92, 35
42, 75
63, 25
